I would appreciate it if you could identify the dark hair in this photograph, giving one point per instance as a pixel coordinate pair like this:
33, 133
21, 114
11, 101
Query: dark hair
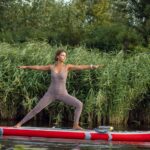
58, 52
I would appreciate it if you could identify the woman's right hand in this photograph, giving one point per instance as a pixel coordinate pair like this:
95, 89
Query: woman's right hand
22, 67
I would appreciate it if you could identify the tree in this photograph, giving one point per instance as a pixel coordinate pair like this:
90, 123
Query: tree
135, 14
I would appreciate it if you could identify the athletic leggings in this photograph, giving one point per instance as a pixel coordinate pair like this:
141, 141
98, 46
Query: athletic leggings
48, 98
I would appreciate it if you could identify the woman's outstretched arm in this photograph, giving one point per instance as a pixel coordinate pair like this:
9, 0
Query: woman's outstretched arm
44, 68
83, 67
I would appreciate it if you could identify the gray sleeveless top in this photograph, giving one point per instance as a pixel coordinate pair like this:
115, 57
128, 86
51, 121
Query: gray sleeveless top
58, 81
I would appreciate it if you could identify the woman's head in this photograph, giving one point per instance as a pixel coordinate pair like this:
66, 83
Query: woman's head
60, 55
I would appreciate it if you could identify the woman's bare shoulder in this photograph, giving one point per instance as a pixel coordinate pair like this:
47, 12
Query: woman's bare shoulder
68, 66
51, 66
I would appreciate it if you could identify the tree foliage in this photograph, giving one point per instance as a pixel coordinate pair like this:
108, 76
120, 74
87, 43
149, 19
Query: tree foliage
104, 24
136, 14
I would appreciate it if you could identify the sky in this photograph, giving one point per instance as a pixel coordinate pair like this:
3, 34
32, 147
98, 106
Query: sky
65, 0
56, 0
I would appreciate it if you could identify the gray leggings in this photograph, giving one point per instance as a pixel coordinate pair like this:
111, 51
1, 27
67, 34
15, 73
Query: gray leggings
49, 98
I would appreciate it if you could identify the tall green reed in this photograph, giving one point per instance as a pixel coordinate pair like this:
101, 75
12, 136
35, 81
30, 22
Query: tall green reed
108, 93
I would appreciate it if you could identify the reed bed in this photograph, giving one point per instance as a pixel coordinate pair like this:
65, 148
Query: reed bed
109, 94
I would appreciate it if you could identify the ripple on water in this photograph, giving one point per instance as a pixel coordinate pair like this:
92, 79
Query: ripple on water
30, 143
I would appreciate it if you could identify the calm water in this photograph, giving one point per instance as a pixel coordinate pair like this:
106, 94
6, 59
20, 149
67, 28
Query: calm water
26, 143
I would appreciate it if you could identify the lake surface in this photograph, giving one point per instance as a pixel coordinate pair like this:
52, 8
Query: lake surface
32, 143
24, 143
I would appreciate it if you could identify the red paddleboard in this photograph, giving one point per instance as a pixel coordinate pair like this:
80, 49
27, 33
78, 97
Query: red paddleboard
96, 134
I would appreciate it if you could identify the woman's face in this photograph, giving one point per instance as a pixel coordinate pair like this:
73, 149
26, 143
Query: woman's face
62, 57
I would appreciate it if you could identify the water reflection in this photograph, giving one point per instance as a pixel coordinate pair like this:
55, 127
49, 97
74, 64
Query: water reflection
30, 143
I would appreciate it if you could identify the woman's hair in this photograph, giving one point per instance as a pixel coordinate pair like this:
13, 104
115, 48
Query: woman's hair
58, 52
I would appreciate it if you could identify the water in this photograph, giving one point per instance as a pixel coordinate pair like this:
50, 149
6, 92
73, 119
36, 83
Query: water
32, 143
24, 143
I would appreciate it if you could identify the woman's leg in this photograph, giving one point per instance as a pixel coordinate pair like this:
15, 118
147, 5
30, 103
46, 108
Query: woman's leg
72, 101
44, 101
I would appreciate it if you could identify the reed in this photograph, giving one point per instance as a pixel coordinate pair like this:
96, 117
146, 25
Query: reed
108, 94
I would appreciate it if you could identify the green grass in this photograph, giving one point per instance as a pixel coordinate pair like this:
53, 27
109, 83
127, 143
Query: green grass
108, 94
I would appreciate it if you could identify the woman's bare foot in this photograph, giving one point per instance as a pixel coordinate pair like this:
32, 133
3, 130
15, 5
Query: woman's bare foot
77, 127
18, 125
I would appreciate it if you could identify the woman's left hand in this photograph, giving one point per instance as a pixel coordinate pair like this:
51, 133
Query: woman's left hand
97, 66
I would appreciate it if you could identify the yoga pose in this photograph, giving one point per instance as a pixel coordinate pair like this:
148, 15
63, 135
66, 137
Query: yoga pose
57, 89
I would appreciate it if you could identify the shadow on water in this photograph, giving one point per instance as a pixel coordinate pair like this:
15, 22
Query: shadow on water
30, 143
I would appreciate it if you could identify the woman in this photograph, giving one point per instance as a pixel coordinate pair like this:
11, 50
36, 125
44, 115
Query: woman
57, 89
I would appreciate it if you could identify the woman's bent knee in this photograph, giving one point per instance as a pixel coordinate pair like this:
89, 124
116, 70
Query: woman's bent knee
80, 105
